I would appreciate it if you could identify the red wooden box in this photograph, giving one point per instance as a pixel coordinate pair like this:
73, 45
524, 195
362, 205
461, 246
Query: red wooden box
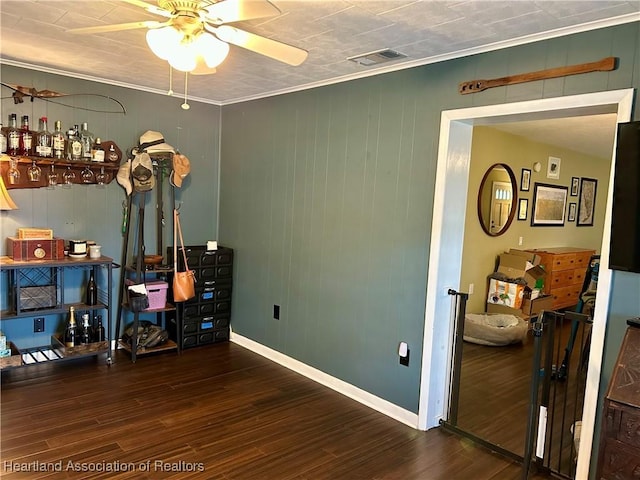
30, 249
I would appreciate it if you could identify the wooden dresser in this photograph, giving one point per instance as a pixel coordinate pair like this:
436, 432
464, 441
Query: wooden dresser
619, 453
566, 268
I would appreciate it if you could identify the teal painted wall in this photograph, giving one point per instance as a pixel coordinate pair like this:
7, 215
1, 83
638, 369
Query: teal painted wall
327, 196
86, 211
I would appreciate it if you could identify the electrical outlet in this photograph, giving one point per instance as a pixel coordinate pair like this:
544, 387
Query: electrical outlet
38, 325
276, 312
405, 360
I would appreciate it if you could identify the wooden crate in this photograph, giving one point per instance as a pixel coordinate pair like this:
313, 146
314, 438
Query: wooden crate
83, 349
15, 360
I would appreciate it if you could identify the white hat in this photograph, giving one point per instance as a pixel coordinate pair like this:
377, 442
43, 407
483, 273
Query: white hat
124, 176
153, 142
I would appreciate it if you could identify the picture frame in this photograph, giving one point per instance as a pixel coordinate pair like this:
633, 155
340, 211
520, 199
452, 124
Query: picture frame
523, 207
549, 205
587, 202
553, 168
525, 180
575, 186
571, 216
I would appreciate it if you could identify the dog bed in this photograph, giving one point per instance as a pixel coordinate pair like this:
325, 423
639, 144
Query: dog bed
494, 329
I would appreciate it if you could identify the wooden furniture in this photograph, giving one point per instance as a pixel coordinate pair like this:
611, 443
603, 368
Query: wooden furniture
566, 268
619, 454
37, 288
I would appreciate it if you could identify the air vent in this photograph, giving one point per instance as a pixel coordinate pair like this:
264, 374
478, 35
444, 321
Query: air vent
375, 58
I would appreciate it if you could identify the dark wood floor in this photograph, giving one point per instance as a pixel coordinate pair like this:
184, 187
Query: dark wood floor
220, 410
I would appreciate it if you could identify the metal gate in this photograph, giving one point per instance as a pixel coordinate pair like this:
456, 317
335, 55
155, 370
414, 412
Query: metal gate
556, 393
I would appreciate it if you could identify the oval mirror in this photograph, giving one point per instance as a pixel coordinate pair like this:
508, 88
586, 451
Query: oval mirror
497, 198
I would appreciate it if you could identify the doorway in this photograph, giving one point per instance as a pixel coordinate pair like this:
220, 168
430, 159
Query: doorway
447, 234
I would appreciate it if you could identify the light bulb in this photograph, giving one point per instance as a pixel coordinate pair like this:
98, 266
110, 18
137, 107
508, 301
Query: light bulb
212, 50
164, 41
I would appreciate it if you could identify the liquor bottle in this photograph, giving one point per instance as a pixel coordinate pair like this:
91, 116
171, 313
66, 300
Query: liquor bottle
92, 291
44, 140
113, 155
3, 141
97, 151
86, 139
71, 332
85, 330
58, 141
13, 136
26, 137
74, 147
98, 331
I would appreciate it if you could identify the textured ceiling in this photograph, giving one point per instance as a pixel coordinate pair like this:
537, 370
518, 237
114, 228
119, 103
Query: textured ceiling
33, 35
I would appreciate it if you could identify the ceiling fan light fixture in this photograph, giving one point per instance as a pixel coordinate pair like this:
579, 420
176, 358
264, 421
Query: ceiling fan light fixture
212, 50
164, 41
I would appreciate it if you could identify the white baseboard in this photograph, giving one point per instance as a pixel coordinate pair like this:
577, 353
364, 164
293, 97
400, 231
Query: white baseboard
383, 406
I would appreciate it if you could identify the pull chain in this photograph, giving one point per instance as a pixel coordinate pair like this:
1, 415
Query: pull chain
170, 92
185, 105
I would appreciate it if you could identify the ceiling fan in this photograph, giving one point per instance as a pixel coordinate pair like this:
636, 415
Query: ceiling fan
195, 36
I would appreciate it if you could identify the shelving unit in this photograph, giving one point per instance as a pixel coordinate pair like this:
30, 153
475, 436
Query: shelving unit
60, 167
37, 288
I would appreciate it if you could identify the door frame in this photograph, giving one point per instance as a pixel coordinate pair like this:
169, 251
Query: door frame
447, 235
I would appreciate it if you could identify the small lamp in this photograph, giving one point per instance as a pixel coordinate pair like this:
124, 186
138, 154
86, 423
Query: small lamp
6, 202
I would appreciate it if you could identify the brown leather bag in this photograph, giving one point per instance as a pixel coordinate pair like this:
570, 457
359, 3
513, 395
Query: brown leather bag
184, 287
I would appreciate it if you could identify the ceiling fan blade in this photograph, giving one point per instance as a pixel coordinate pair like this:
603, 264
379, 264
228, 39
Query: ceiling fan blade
228, 11
149, 8
271, 48
118, 26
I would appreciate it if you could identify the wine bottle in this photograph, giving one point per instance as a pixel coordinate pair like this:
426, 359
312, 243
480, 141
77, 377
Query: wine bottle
97, 151
13, 136
86, 140
98, 333
44, 140
85, 331
58, 141
92, 291
26, 137
71, 333
3, 141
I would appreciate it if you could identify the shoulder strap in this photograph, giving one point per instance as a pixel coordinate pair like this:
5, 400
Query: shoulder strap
184, 253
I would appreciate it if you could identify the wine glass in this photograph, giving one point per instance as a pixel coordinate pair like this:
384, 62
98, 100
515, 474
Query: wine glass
68, 177
34, 172
102, 177
87, 175
52, 178
13, 174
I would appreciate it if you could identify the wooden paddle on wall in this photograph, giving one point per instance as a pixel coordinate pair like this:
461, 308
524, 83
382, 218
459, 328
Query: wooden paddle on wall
604, 65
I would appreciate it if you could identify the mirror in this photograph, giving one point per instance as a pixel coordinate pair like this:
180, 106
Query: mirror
497, 198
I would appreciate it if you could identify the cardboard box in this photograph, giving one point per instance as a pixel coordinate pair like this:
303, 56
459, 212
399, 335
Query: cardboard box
35, 249
518, 266
505, 293
495, 308
535, 306
531, 257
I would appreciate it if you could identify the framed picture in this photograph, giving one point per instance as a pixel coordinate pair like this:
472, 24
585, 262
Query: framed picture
575, 186
571, 216
587, 202
523, 206
525, 180
553, 167
549, 205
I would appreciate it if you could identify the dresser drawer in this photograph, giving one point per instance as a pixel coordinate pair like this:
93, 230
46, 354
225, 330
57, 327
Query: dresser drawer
565, 296
563, 262
619, 461
561, 278
582, 259
578, 276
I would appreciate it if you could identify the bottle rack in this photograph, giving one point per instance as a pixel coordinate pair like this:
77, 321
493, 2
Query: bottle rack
60, 166
37, 288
